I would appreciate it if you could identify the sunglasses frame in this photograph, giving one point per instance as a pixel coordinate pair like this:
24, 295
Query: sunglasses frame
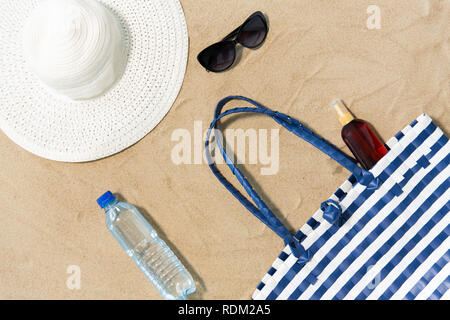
233, 37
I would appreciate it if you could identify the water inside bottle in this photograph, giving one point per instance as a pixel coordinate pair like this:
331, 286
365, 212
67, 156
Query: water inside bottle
153, 256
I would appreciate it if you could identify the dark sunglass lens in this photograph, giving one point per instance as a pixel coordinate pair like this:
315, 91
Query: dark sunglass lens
253, 32
218, 57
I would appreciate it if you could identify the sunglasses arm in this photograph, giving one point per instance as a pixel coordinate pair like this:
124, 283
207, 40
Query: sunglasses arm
233, 34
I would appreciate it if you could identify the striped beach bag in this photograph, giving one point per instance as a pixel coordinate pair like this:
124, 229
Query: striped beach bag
384, 234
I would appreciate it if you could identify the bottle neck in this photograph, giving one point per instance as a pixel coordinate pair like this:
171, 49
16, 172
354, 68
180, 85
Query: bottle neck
344, 115
110, 205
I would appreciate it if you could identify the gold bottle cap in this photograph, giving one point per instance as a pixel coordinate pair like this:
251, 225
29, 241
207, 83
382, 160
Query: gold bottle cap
343, 113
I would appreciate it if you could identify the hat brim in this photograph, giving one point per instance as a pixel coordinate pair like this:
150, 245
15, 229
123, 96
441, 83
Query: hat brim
57, 128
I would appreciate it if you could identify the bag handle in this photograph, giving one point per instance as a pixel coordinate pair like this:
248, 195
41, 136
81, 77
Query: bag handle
259, 208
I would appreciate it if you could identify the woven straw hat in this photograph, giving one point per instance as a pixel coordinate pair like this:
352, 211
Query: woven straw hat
84, 79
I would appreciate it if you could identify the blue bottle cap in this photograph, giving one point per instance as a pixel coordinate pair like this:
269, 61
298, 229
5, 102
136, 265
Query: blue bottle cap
105, 199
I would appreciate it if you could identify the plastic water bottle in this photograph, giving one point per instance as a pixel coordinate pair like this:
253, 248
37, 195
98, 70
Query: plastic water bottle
150, 253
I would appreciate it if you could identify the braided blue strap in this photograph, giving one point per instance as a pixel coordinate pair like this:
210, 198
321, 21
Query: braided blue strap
259, 208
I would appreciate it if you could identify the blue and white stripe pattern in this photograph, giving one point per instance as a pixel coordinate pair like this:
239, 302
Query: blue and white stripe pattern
395, 242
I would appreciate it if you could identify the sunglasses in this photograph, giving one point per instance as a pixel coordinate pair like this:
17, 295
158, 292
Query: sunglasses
221, 55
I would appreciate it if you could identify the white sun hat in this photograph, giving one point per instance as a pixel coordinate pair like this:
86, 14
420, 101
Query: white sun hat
81, 80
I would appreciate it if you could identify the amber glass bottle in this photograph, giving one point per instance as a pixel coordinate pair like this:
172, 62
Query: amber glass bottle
359, 136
